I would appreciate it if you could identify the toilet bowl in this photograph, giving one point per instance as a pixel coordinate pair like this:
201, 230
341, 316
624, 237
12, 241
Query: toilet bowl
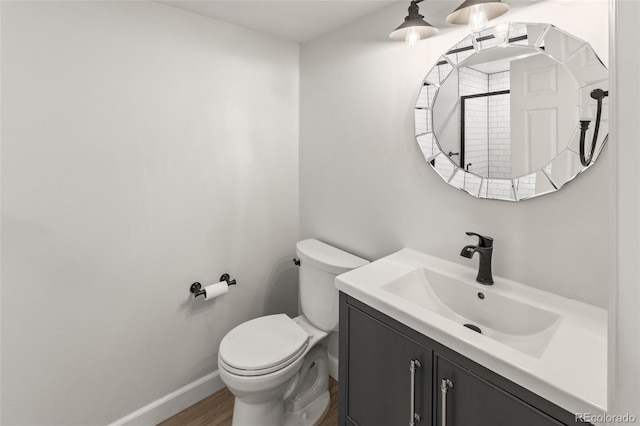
277, 366
272, 389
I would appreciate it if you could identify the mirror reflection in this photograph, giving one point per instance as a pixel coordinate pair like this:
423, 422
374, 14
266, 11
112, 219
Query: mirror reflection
499, 116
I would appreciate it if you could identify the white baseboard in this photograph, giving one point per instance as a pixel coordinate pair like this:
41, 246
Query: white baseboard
165, 407
333, 367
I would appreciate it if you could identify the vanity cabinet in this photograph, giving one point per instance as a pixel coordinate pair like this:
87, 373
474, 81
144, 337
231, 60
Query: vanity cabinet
392, 375
387, 372
467, 399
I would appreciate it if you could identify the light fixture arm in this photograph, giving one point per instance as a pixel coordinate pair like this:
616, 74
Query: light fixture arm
414, 11
598, 95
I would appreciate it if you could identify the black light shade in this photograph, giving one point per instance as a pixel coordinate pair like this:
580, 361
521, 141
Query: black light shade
413, 22
492, 9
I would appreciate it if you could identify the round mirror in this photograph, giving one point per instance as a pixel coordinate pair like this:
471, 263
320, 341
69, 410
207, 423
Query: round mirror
514, 112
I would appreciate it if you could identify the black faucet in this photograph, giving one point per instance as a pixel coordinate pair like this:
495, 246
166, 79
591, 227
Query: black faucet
484, 249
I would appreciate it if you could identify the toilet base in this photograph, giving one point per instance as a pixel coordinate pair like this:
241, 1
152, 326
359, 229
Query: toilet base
269, 413
272, 413
312, 414
300, 401
310, 399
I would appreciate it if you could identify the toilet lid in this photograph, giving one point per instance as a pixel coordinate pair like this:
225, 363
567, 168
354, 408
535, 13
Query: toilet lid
262, 343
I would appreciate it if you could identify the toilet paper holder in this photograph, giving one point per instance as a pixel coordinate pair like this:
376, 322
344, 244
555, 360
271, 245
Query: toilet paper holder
196, 288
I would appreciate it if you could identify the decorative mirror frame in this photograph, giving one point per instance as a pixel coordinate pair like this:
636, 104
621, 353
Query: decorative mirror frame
560, 170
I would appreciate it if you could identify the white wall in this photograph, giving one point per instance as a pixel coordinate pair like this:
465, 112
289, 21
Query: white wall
624, 315
143, 148
365, 186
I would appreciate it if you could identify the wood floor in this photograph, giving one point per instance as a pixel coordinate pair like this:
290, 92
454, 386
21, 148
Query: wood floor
216, 410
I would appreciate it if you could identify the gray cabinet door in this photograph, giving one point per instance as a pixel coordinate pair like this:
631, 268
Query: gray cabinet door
378, 376
472, 401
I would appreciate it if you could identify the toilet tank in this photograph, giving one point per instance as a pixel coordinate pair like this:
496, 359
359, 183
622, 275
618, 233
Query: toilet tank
320, 263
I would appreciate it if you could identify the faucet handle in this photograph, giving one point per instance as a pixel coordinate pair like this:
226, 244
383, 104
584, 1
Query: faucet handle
484, 241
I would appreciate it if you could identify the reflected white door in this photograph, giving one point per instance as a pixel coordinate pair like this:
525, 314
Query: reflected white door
543, 117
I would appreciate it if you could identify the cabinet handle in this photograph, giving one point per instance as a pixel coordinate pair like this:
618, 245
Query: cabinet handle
445, 385
415, 417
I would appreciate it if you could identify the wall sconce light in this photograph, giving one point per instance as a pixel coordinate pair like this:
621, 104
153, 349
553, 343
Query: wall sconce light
598, 95
477, 13
413, 28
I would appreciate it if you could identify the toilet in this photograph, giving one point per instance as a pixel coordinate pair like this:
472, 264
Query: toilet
277, 366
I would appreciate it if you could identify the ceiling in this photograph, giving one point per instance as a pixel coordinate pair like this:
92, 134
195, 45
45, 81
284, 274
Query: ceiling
302, 20
297, 20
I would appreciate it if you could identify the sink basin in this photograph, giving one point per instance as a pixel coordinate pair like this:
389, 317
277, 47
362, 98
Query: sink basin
519, 325
554, 346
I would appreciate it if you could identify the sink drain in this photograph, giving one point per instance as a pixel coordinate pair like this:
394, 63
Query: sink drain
474, 328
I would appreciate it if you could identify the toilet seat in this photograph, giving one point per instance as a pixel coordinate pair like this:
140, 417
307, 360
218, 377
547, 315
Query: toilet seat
263, 345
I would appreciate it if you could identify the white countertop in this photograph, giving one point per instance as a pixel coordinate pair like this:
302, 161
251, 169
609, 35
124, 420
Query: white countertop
572, 370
